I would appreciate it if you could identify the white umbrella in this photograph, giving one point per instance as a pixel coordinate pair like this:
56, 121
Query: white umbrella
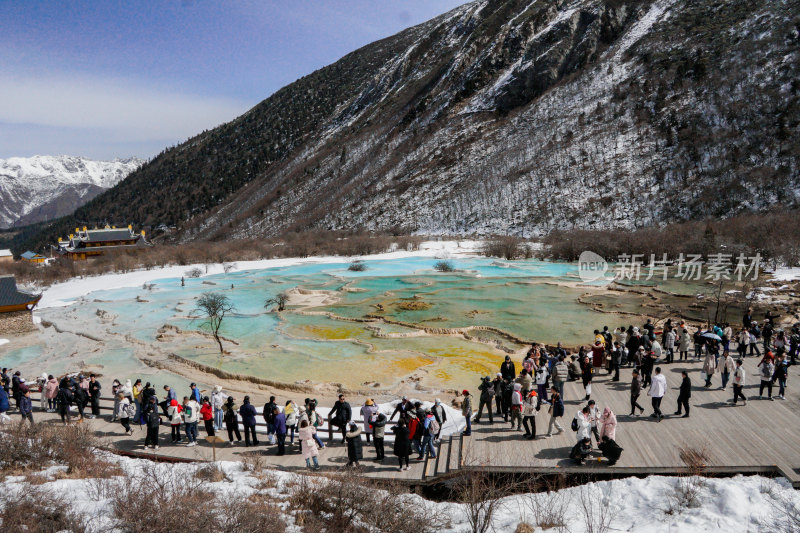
710, 335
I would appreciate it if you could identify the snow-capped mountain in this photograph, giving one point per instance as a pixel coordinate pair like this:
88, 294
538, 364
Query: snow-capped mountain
39, 188
503, 116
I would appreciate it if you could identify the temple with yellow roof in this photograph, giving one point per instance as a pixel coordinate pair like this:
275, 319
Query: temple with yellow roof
86, 243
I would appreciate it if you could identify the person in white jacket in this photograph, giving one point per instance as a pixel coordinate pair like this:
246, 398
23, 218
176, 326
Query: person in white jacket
594, 417
529, 408
218, 399
738, 383
658, 387
743, 339
669, 344
583, 447
584, 423
191, 414
125, 411
727, 367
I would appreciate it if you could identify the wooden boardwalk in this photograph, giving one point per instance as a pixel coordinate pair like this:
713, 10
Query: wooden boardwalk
761, 437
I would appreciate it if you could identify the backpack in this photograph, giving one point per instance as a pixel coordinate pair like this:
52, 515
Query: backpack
433, 427
574, 424
130, 410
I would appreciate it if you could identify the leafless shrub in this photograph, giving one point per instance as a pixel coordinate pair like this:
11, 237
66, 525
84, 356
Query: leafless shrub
481, 495
38, 510
101, 488
24, 447
594, 507
210, 472
195, 272
548, 510
507, 247
228, 267
685, 495
688, 490
784, 512
149, 503
256, 514
348, 504
138, 507
253, 462
695, 459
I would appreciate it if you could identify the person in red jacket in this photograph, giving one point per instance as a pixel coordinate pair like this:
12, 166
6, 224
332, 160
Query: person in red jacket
207, 413
414, 430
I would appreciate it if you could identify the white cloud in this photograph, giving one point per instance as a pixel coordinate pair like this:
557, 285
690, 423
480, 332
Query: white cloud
127, 111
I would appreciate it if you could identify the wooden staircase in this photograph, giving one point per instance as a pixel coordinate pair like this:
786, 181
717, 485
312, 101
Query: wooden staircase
448, 460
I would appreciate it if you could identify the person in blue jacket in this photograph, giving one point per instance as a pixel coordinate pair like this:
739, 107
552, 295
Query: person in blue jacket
280, 430
4, 406
195, 393
248, 413
26, 407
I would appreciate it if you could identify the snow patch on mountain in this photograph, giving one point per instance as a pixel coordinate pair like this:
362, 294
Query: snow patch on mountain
28, 183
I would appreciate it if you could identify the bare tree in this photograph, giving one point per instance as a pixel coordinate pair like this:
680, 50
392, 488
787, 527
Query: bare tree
213, 307
276, 303
482, 494
594, 507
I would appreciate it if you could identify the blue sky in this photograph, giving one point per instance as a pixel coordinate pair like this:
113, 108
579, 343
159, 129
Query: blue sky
112, 78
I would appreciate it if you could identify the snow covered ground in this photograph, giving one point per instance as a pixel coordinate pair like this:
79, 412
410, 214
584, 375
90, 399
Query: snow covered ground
738, 504
63, 294
786, 274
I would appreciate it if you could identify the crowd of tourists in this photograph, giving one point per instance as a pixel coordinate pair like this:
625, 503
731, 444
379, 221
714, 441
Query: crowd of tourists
517, 396
137, 406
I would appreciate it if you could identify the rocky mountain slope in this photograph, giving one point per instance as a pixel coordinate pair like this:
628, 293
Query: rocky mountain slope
38, 188
504, 116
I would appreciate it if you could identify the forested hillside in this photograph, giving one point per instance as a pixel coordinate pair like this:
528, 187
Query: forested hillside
509, 116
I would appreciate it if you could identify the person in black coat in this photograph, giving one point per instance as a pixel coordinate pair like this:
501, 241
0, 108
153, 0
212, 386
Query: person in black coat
684, 394
402, 444
94, 395
581, 450
508, 370
81, 398
269, 417
65, 398
153, 421
487, 395
355, 451
611, 450
17, 387
340, 415
401, 408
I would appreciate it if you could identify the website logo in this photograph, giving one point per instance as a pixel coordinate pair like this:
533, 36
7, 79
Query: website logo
592, 267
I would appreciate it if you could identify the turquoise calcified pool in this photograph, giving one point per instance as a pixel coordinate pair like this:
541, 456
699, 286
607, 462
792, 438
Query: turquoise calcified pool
412, 314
